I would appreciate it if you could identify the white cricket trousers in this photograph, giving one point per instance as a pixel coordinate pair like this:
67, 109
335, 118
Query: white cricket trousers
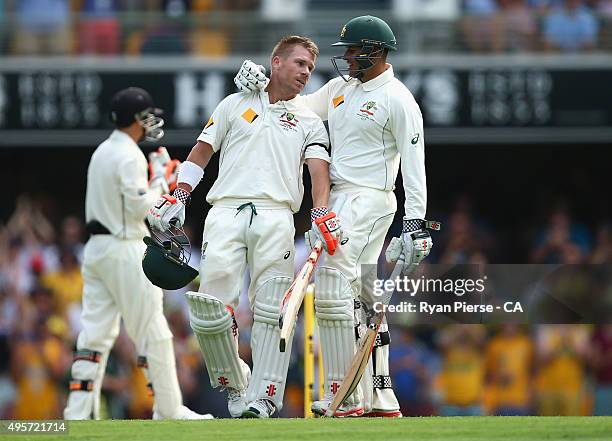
116, 287
235, 239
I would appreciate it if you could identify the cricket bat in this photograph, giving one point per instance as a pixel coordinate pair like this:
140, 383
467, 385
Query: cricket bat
294, 296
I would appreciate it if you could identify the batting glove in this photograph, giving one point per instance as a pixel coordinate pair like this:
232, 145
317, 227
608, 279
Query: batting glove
251, 77
163, 171
169, 210
414, 244
326, 228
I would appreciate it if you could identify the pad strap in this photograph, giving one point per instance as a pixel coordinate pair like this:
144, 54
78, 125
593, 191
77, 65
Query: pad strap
382, 382
382, 339
87, 355
85, 385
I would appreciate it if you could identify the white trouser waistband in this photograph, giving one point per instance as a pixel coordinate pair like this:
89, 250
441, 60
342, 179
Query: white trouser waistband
264, 204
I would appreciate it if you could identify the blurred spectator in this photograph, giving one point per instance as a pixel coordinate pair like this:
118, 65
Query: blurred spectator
515, 27
413, 367
561, 241
65, 284
461, 381
602, 251
478, 24
40, 361
509, 365
209, 37
99, 30
43, 27
461, 239
168, 33
601, 362
561, 377
571, 27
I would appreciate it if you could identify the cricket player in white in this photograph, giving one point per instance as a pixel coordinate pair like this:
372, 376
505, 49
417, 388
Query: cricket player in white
263, 139
115, 287
374, 122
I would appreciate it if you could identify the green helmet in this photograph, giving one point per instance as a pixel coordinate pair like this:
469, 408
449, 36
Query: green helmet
372, 35
367, 29
165, 261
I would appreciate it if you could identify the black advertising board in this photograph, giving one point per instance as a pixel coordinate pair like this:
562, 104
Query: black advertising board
52, 106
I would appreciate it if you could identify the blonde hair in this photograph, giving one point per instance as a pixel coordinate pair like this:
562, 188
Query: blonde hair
286, 44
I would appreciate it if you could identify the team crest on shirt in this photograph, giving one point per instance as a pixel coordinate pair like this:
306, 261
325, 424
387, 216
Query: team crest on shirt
367, 110
289, 122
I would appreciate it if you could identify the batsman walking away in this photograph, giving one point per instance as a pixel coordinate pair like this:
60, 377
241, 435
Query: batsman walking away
115, 287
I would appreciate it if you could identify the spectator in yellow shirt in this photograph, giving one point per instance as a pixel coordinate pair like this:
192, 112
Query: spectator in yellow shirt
461, 380
509, 364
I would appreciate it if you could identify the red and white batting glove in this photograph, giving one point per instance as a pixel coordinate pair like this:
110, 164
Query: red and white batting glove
326, 228
163, 171
169, 210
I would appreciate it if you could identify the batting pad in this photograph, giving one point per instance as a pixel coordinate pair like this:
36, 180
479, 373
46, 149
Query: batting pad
269, 364
84, 404
214, 326
383, 399
334, 308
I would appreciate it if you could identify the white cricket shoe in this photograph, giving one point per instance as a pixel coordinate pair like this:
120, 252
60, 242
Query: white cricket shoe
319, 408
236, 399
260, 408
236, 402
184, 413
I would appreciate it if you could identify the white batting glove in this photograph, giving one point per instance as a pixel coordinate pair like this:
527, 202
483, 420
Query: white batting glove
168, 211
251, 77
414, 244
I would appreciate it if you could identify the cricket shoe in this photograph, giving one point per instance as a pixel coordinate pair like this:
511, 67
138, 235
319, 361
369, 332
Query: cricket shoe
236, 398
320, 407
184, 413
260, 408
383, 414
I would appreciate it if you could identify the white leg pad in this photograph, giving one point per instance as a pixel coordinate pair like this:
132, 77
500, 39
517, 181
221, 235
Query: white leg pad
85, 404
269, 364
383, 398
217, 333
334, 306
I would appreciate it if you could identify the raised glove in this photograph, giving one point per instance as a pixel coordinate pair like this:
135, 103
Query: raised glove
414, 244
163, 170
251, 77
326, 228
168, 210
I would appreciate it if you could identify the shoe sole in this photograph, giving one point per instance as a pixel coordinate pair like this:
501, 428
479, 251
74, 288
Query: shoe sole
251, 414
351, 413
381, 414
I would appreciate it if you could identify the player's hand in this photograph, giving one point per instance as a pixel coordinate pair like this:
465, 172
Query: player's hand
168, 211
251, 77
326, 228
414, 244
163, 171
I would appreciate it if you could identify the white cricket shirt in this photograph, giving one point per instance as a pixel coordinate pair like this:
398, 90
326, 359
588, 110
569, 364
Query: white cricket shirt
263, 147
118, 194
372, 125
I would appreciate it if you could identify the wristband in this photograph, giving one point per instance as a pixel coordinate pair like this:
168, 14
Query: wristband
318, 212
190, 173
182, 196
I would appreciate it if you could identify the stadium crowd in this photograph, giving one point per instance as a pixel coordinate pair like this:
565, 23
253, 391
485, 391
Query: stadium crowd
217, 28
437, 370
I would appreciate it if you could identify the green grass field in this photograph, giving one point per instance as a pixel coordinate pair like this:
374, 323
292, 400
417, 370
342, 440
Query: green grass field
421, 429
